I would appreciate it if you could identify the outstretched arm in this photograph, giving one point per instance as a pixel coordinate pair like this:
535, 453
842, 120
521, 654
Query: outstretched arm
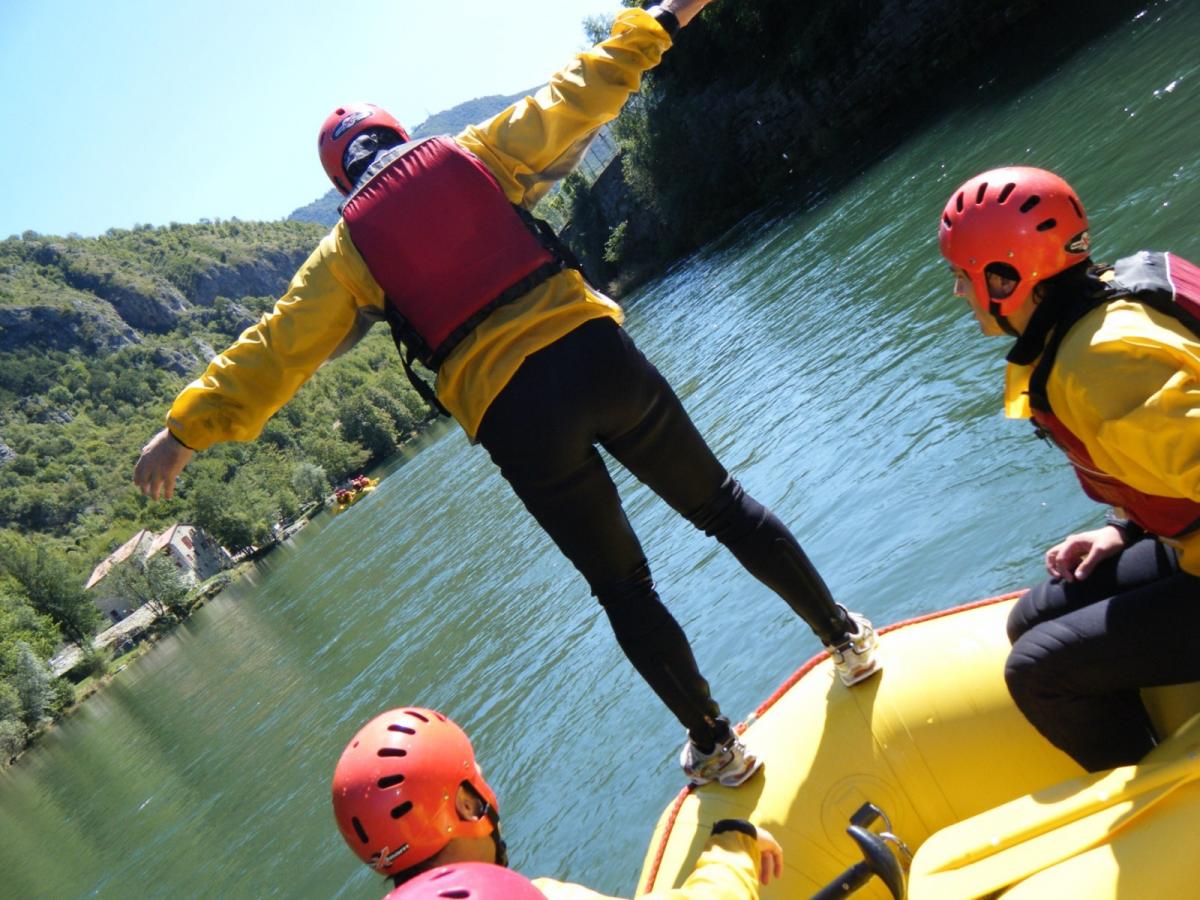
541, 138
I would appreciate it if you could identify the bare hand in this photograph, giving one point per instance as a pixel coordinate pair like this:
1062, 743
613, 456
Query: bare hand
1074, 558
772, 856
160, 464
684, 10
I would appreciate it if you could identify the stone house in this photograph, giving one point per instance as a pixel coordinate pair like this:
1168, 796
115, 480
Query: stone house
195, 553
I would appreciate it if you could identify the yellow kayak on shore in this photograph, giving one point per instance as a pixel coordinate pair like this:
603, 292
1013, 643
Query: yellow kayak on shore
954, 775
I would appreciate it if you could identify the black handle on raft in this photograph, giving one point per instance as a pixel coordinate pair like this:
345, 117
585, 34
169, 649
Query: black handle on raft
878, 859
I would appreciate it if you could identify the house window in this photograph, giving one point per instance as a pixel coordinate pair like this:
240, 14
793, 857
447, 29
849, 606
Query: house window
187, 541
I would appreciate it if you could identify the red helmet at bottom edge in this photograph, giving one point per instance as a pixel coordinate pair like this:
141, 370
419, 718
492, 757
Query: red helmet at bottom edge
395, 789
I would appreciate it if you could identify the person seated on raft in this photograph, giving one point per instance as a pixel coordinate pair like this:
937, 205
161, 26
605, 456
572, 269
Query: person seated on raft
409, 796
1106, 362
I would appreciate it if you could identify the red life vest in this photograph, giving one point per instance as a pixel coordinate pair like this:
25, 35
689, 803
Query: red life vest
1166, 283
441, 238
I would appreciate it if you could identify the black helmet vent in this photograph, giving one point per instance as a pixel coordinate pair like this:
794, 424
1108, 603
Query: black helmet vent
1008, 189
359, 830
1030, 203
402, 809
1047, 225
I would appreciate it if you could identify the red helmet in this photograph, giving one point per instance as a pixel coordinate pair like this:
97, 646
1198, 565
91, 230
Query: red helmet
469, 881
1028, 218
345, 124
395, 785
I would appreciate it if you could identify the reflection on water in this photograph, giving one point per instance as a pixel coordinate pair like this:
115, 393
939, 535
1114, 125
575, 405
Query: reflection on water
823, 355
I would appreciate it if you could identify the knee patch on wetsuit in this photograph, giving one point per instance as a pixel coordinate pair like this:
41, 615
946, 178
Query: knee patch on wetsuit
730, 514
633, 606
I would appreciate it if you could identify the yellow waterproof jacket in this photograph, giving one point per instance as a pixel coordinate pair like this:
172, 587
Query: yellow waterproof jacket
1126, 382
726, 870
526, 147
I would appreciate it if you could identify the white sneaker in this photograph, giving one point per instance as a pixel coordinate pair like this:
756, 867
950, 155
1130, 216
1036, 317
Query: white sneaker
729, 763
856, 657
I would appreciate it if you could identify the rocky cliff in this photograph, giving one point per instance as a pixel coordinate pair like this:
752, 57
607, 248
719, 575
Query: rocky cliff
98, 295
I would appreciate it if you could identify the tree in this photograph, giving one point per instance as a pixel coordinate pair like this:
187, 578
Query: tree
366, 424
20, 622
32, 682
309, 481
337, 457
10, 701
51, 587
153, 581
12, 738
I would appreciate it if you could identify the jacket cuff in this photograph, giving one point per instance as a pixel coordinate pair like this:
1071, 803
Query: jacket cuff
664, 17
746, 828
172, 433
1130, 530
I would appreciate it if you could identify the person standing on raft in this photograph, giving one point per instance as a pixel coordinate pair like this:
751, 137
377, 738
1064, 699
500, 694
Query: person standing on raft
1107, 364
436, 238
410, 799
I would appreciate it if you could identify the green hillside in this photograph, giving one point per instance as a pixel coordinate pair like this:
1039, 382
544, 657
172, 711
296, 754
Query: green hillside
96, 337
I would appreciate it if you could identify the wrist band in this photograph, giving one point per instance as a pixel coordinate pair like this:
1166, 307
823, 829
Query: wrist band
746, 828
664, 17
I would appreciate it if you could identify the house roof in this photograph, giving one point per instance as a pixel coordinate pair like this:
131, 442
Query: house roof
119, 555
165, 539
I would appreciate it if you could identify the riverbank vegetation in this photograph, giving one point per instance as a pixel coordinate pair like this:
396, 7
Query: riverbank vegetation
76, 408
97, 335
777, 102
41, 600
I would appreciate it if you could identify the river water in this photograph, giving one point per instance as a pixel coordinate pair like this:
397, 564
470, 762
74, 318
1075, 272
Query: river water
823, 355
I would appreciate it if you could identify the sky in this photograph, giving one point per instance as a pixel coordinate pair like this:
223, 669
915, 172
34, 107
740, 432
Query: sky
152, 111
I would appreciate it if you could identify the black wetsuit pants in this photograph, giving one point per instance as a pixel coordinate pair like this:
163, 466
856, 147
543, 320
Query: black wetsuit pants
593, 387
1081, 650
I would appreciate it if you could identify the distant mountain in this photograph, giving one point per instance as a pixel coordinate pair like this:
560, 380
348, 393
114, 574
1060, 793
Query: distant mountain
324, 210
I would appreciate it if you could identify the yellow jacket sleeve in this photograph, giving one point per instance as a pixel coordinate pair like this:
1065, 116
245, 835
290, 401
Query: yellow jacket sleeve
526, 147
247, 383
539, 139
1126, 382
726, 870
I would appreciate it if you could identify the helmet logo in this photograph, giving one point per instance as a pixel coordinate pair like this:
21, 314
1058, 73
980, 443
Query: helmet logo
1080, 243
349, 122
383, 860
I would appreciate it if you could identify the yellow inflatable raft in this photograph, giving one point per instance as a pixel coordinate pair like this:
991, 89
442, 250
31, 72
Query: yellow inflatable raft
343, 500
987, 807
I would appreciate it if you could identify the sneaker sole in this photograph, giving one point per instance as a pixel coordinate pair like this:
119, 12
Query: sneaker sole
738, 780
730, 780
861, 675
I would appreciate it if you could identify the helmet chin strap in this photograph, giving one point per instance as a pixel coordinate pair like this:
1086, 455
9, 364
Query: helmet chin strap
501, 846
1002, 321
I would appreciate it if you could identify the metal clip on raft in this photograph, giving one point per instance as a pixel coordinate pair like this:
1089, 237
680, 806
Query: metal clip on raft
878, 858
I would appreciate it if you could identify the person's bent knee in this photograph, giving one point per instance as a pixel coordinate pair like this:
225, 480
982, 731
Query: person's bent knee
1021, 673
1025, 612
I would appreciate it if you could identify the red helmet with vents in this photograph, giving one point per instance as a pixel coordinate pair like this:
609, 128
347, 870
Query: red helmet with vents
467, 881
341, 127
395, 786
1026, 218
